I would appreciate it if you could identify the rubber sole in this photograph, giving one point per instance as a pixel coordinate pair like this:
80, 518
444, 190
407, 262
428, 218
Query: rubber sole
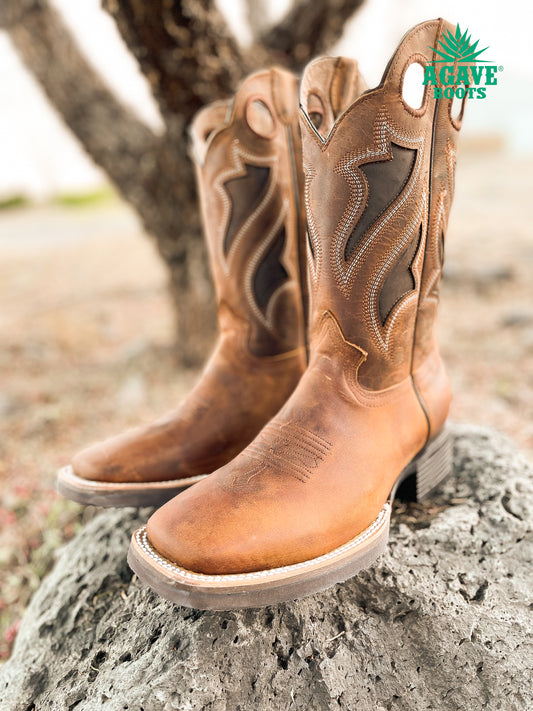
267, 587
108, 494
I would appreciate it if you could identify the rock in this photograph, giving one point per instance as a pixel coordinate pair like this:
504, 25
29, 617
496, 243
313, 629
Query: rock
441, 622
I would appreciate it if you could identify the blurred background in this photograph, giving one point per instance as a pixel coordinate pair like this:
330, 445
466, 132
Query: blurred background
101, 258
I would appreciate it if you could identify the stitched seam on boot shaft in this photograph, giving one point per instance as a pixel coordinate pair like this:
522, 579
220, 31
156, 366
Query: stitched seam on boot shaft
419, 294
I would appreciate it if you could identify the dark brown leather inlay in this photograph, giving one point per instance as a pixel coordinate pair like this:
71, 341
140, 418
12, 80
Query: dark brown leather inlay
400, 279
270, 273
386, 180
245, 193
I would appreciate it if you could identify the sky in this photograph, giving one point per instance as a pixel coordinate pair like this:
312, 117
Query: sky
41, 158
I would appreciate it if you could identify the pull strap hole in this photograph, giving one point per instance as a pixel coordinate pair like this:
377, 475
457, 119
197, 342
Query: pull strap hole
458, 104
413, 87
260, 119
315, 110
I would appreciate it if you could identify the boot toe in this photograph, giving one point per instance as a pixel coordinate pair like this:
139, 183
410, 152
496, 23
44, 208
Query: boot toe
94, 464
208, 530
87, 464
176, 532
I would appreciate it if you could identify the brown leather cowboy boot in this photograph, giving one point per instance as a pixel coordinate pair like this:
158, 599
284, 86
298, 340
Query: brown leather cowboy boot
247, 153
307, 503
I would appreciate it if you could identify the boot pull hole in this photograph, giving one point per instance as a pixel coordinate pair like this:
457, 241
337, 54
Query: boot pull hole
413, 87
458, 105
315, 110
259, 118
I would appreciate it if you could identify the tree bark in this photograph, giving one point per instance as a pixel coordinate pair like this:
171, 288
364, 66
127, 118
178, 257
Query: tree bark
184, 49
152, 172
308, 29
111, 135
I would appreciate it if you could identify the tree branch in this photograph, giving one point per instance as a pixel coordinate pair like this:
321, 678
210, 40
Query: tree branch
190, 59
103, 125
255, 11
11, 13
153, 173
308, 29
185, 50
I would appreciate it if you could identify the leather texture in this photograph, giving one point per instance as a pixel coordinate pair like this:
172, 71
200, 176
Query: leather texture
248, 161
321, 471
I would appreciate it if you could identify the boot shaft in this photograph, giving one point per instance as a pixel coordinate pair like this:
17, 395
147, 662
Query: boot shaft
329, 85
379, 185
247, 154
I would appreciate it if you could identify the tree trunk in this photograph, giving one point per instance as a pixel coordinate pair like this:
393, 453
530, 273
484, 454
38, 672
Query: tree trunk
153, 173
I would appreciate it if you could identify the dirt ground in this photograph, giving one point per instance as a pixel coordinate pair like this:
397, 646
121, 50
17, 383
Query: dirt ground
86, 333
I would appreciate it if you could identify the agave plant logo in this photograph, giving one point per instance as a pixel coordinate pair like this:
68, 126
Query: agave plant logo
457, 69
458, 48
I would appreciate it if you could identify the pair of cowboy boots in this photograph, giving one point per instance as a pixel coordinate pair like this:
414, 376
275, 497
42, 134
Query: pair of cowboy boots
307, 453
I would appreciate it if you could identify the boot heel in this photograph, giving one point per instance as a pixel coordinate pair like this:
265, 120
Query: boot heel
427, 470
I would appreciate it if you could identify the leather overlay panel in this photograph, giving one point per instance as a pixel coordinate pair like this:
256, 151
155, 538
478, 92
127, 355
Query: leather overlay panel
270, 273
400, 280
386, 180
245, 193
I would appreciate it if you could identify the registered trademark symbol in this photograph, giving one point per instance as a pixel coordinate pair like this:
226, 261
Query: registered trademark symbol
500, 68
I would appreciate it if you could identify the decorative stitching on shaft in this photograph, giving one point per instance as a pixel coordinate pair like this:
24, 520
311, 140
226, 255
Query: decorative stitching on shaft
384, 131
236, 171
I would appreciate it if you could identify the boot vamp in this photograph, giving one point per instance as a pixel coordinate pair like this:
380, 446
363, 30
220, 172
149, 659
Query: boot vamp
315, 477
234, 397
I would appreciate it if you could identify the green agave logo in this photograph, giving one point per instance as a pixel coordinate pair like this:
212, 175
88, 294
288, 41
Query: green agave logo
458, 48
455, 71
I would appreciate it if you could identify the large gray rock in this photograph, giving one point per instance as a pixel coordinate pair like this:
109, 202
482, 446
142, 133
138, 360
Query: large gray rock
443, 621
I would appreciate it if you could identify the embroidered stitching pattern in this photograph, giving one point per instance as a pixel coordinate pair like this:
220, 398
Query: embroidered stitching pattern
451, 162
445, 197
266, 319
384, 131
239, 481
293, 449
381, 333
315, 260
236, 171
430, 291
144, 544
